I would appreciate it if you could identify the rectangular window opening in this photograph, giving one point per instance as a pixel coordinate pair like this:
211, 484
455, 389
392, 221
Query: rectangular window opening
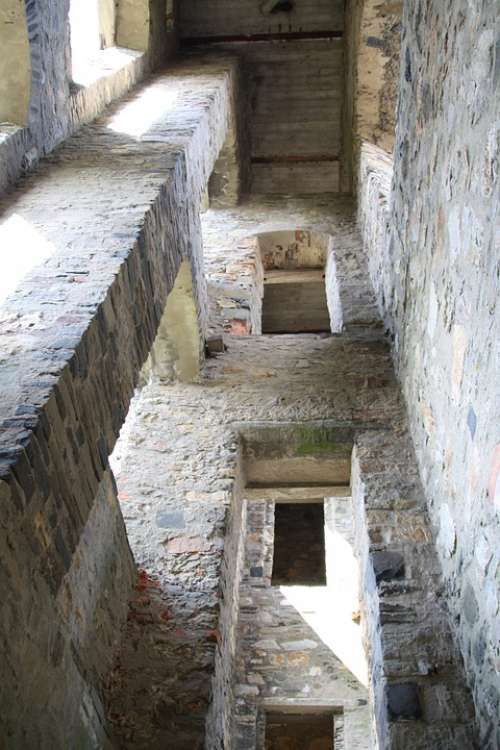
295, 302
299, 544
293, 731
92, 34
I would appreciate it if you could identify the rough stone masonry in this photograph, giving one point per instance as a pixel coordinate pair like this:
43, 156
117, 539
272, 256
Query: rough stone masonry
138, 606
180, 483
69, 366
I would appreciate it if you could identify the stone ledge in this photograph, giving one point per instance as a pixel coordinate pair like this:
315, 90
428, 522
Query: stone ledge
15, 154
115, 72
107, 62
8, 131
112, 78
114, 207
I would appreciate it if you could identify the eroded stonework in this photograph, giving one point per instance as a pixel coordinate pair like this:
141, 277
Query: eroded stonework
181, 488
180, 639
289, 650
75, 332
433, 251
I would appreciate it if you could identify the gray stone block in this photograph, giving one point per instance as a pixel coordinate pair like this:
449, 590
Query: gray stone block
403, 702
387, 565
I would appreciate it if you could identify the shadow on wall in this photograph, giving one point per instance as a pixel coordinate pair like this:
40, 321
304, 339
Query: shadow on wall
176, 352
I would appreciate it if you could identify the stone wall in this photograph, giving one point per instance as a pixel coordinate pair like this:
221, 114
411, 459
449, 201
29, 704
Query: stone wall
417, 685
293, 61
180, 487
219, 723
112, 215
57, 647
234, 267
231, 175
56, 106
75, 331
435, 256
372, 51
375, 174
289, 653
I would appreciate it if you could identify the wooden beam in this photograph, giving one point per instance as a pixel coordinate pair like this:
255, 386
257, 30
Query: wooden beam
284, 36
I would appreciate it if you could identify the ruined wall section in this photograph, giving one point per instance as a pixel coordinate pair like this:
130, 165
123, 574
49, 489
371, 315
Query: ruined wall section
231, 176
59, 648
219, 721
375, 174
417, 686
177, 491
284, 659
235, 286
437, 283
75, 333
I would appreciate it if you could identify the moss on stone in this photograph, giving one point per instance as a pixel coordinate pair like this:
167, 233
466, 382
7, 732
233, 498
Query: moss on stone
314, 440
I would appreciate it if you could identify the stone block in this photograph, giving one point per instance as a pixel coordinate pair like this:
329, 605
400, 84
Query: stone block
171, 520
387, 565
403, 701
214, 345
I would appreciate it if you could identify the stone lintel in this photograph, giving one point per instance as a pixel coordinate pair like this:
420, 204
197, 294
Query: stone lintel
297, 494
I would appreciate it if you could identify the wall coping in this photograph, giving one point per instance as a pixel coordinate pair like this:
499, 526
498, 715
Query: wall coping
121, 211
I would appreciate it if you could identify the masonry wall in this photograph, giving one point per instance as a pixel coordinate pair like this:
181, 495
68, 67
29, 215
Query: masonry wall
75, 332
294, 83
436, 275
57, 107
57, 646
285, 661
372, 52
180, 490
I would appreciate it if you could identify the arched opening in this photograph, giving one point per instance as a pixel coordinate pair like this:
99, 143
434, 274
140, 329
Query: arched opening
15, 64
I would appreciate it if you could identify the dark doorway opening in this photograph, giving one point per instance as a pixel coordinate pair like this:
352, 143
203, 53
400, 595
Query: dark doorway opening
311, 731
295, 302
299, 544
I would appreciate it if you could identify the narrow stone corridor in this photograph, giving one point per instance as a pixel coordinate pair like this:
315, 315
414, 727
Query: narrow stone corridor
249, 357
180, 468
299, 648
179, 476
